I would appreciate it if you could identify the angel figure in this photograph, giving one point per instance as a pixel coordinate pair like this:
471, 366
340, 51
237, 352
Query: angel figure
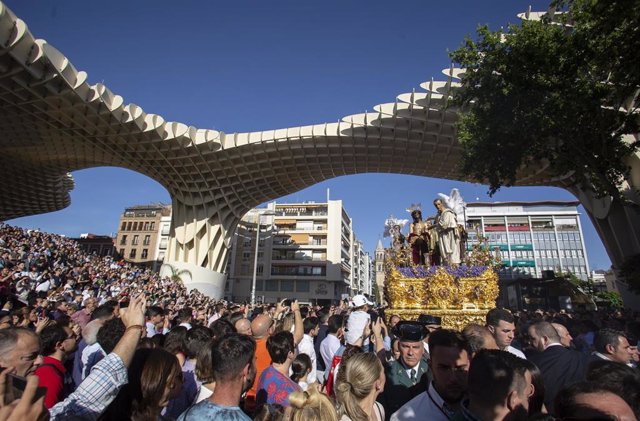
449, 224
393, 228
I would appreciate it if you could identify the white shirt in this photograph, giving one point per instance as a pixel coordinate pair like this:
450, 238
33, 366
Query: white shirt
426, 406
328, 348
516, 352
151, 329
213, 318
86, 353
306, 347
355, 326
44, 287
414, 375
203, 393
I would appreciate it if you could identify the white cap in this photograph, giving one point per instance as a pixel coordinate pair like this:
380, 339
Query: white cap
360, 300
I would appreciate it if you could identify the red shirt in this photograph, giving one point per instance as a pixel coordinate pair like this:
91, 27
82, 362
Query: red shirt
51, 375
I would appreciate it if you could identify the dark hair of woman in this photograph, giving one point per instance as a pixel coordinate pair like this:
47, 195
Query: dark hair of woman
154, 378
174, 341
300, 367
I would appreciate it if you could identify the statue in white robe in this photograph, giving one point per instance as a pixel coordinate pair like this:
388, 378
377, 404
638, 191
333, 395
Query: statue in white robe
446, 225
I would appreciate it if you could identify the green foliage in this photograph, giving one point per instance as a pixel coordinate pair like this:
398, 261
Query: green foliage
546, 93
176, 274
612, 299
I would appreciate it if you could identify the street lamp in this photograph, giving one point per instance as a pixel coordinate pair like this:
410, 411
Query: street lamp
255, 256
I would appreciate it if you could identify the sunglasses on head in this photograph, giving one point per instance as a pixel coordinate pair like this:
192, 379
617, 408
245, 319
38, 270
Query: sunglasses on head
410, 331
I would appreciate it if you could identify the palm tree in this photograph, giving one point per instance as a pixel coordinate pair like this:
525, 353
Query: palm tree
176, 274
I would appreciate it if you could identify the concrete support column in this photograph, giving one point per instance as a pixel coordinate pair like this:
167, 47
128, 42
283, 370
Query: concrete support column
200, 243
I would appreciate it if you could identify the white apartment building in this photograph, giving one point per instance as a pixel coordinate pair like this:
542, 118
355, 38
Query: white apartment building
532, 237
361, 282
305, 251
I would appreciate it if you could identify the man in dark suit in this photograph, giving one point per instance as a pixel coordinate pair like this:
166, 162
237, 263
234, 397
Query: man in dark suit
408, 376
560, 366
611, 345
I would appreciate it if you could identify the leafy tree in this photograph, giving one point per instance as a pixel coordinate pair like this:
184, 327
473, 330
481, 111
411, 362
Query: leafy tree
562, 91
176, 274
611, 298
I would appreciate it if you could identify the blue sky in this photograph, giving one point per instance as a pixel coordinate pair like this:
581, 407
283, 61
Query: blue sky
248, 65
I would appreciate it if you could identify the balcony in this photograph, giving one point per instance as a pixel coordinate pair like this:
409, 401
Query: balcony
298, 271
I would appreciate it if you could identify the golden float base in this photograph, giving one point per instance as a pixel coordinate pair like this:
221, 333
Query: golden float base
451, 319
460, 295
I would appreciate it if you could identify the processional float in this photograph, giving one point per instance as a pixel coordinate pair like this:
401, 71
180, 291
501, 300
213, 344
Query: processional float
460, 292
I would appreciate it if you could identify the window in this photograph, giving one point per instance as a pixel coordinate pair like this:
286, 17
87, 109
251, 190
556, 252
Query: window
304, 225
302, 286
135, 240
132, 254
123, 240
163, 244
244, 269
135, 226
161, 256
129, 226
147, 240
260, 269
246, 255
271, 285
121, 252
152, 226
286, 286
165, 229
123, 227
145, 253
146, 226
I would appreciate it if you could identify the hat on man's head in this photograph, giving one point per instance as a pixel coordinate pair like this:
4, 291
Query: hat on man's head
360, 300
428, 319
410, 331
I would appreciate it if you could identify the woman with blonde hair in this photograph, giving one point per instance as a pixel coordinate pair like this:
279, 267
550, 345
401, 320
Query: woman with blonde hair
360, 380
311, 406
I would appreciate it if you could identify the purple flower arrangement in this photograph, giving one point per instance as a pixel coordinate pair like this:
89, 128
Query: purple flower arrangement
457, 272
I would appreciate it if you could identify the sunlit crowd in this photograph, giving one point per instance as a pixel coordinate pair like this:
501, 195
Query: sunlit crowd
84, 337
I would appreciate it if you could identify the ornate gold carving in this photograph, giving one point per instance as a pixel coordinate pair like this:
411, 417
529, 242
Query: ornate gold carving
451, 319
460, 295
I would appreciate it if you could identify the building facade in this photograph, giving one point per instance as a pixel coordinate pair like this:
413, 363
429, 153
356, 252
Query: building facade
531, 237
305, 251
143, 233
99, 245
361, 282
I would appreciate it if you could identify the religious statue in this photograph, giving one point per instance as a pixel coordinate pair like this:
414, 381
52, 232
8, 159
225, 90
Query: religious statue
393, 228
418, 236
449, 224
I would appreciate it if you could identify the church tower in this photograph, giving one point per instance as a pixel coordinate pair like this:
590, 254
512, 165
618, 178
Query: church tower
380, 271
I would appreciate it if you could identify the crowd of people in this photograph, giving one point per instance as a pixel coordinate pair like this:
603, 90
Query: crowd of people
86, 337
